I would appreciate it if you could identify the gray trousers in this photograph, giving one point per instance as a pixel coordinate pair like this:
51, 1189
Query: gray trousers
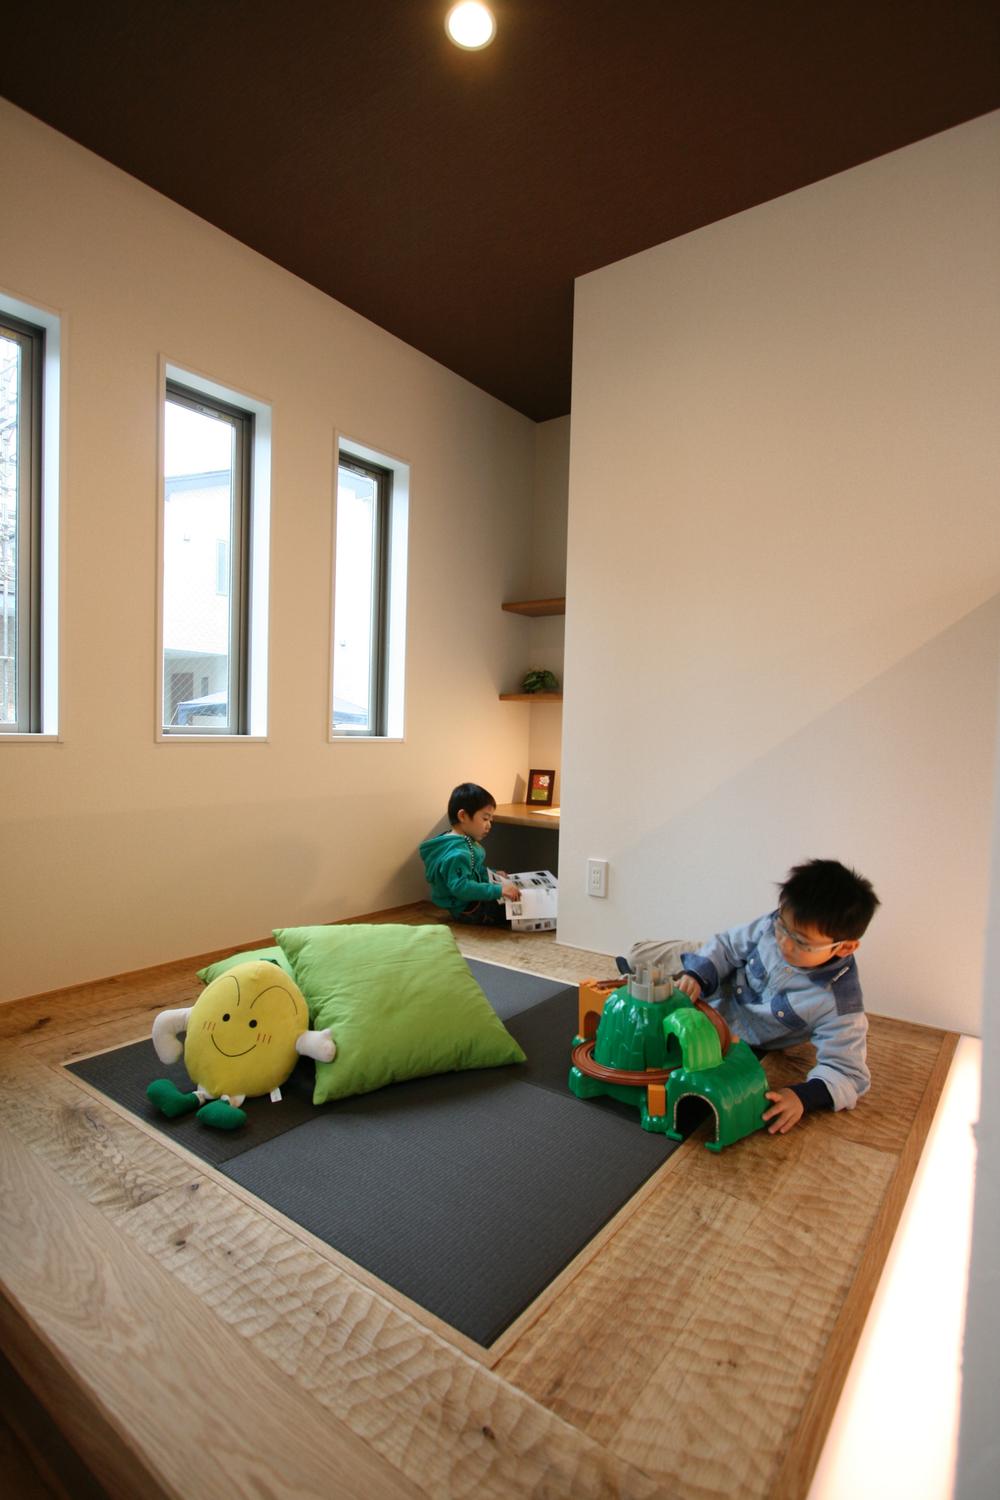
662, 953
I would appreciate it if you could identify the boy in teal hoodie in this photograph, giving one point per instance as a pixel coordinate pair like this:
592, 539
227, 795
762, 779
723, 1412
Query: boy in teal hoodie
456, 863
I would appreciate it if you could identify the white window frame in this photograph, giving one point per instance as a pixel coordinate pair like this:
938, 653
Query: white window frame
259, 563
394, 666
49, 615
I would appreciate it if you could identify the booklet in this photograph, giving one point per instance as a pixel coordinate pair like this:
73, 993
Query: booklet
535, 910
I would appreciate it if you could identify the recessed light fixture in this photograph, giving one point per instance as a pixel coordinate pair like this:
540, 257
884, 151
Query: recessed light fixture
470, 25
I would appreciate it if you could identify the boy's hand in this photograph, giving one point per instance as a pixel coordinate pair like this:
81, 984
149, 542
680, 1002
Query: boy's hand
688, 985
788, 1111
510, 891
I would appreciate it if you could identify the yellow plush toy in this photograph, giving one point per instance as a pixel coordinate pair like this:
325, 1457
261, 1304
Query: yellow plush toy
243, 1037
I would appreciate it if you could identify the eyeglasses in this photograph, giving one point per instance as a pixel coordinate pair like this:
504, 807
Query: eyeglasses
782, 930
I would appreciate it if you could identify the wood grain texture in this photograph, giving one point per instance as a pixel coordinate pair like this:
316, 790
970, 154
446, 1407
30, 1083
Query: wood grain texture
233, 1426
22, 1476
695, 1351
753, 1338
426, 1409
93, 1147
36, 1461
802, 1454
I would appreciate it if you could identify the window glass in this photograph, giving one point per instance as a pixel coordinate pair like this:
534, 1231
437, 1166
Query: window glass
205, 517
359, 607
21, 347
10, 384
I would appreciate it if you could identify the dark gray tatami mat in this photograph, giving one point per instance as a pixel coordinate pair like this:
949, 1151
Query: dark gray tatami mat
124, 1074
467, 1192
469, 1203
510, 990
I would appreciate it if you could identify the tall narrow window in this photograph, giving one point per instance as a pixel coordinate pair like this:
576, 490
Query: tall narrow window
360, 628
206, 564
21, 352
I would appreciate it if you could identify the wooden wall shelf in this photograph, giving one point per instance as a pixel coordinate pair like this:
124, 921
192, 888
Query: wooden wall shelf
531, 697
536, 607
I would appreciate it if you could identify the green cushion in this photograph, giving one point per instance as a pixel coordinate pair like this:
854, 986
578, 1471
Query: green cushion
401, 1002
265, 955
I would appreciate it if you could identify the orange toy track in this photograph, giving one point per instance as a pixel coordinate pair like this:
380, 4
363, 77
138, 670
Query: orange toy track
583, 1058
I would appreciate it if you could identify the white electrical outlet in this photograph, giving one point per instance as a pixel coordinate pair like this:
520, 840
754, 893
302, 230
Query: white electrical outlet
597, 877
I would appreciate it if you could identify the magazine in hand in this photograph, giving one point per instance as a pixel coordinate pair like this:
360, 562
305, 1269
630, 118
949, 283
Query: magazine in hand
535, 910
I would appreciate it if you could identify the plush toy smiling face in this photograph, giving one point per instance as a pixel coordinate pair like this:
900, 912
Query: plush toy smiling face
242, 1031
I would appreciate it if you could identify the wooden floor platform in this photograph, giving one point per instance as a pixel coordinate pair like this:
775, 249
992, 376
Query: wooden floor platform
188, 1341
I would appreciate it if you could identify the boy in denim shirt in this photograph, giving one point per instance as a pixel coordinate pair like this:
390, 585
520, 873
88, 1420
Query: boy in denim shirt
789, 976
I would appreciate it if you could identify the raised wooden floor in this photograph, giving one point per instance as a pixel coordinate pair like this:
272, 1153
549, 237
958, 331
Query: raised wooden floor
188, 1341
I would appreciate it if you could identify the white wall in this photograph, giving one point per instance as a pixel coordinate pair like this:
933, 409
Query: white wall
541, 642
119, 852
548, 580
544, 555
784, 564
979, 1441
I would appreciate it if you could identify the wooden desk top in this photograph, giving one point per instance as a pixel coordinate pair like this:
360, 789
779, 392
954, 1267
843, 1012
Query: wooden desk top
525, 816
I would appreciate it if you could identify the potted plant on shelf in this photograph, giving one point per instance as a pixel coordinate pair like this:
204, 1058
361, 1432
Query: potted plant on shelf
539, 680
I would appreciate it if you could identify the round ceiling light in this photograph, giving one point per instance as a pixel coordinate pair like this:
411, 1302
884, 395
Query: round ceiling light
470, 25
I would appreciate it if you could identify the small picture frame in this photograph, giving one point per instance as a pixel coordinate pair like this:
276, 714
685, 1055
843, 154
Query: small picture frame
541, 787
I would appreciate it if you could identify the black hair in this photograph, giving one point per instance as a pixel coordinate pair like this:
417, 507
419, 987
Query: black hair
469, 798
826, 895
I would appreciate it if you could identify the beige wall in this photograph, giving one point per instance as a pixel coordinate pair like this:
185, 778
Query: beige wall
540, 642
546, 553
119, 852
784, 456
548, 580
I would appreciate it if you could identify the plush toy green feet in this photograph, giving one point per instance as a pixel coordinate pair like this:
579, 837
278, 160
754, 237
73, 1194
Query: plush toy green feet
169, 1100
222, 1116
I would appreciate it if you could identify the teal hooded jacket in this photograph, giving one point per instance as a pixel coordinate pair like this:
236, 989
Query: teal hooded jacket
456, 872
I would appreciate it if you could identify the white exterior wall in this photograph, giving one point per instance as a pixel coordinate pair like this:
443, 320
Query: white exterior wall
195, 613
120, 852
784, 564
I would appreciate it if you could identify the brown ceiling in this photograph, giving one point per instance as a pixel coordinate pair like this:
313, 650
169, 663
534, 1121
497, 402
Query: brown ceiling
452, 197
